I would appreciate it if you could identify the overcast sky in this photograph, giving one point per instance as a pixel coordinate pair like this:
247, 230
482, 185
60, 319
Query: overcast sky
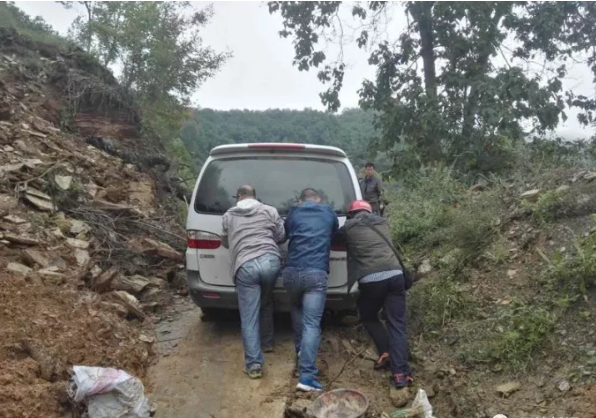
261, 76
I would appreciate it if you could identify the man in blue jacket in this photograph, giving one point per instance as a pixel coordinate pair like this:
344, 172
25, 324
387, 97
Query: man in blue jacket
309, 228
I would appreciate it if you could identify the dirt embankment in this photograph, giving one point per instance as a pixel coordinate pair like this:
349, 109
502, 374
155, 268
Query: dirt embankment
88, 249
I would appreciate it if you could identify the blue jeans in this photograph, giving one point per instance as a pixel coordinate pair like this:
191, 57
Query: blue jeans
255, 281
307, 289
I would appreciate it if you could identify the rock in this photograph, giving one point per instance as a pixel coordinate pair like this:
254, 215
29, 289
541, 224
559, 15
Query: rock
300, 408
33, 257
130, 303
40, 200
531, 195
452, 372
33, 133
104, 281
117, 308
564, 386
95, 272
18, 268
77, 243
17, 239
91, 189
511, 273
590, 176
508, 388
11, 168
59, 263
133, 285
562, 188
82, 256
78, 227
149, 246
51, 272
399, 397
14, 220
50, 365
425, 267
64, 182
146, 339
141, 192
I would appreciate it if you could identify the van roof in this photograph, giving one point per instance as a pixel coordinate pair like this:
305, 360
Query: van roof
277, 146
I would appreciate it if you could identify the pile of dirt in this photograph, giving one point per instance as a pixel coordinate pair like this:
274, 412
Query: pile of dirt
88, 250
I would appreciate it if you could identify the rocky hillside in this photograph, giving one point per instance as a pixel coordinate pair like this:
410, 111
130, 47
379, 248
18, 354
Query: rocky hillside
502, 321
89, 251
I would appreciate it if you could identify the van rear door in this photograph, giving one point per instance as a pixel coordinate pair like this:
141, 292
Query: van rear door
278, 180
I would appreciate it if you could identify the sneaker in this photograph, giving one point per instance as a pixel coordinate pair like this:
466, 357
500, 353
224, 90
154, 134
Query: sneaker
254, 371
309, 385
402, 380
383, 362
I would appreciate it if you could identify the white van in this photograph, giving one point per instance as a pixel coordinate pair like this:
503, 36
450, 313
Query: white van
278, 172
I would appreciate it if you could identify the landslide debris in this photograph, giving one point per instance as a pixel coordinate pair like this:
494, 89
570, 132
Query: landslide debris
89, 248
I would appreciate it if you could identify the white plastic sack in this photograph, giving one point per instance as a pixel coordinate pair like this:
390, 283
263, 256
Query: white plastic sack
110, 393
421, 401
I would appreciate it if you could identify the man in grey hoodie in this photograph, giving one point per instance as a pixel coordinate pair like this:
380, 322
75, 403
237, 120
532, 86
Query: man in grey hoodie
252, 232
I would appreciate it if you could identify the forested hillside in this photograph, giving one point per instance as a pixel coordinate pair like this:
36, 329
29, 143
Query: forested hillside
351, 130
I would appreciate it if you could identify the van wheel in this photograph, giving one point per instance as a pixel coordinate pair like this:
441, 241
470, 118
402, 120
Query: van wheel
208, 314
347, 318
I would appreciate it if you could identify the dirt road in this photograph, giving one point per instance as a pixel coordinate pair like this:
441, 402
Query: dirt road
200, 374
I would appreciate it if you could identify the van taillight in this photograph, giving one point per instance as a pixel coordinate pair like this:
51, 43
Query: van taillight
203, 240
339, 247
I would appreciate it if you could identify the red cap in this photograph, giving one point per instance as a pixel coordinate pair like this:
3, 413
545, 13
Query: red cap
360, 205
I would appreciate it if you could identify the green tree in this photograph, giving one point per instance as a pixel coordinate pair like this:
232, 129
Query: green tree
157, 48
352, 130
472, 92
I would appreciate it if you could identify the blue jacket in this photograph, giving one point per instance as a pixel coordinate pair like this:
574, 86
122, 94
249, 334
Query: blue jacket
310, 227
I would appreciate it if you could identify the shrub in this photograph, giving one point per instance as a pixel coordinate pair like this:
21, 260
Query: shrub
521, 330
576, 272
436, 302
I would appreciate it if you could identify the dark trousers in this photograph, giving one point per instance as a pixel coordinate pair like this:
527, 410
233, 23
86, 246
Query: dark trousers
390, 295
376, 207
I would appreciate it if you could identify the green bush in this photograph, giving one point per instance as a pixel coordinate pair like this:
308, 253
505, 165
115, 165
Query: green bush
434, 211
575, 272
423, 205
522, 329
436, 302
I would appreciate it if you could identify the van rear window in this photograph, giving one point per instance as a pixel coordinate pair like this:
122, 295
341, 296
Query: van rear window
277, 181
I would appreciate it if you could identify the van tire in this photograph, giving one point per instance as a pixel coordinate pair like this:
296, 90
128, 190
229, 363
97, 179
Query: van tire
208, 314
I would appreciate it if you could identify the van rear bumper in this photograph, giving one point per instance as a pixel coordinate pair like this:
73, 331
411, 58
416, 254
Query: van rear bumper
205, 295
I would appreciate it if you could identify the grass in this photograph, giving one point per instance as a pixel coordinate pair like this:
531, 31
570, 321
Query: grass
436, 216
435, 303
546, 208
575, 273
519, 332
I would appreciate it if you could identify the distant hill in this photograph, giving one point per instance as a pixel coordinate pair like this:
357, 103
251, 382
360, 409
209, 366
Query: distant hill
352, 130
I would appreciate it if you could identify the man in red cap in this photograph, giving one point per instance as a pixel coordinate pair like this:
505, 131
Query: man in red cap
373, 262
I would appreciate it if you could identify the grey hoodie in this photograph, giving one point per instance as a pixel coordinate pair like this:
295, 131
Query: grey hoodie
250, 230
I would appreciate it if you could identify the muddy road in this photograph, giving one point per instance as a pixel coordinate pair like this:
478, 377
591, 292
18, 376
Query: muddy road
200, 370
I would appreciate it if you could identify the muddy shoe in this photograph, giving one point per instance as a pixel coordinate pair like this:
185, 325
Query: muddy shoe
309, 385
254, 371
401, 380
268, 349
383, 362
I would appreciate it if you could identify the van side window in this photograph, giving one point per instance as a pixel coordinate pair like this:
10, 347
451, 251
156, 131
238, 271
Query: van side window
277, 180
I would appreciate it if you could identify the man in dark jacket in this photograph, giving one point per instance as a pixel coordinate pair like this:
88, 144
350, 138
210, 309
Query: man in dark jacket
309, 228
371, 187
373, 264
